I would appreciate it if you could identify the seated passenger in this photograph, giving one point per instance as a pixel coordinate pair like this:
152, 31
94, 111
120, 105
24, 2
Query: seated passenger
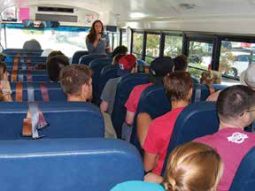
191, 167
209, 78
178, 87
5, 88
247, 78
50, 55
158, 69
236, 110
32, 45
119, 50
55, 53
76, 82
180, 63
126, 66
54, 65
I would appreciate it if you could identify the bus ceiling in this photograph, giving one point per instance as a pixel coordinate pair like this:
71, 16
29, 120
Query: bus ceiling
221, 16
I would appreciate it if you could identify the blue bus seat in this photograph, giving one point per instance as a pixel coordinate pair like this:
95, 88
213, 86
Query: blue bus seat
244, 179
200, 92
86, 59
34, 60
37, 76
22, 52
65, 119
77, 55
100, 61
124, 88
153, 101
196, 120
55, 92
93, 164
96, 66
107, 72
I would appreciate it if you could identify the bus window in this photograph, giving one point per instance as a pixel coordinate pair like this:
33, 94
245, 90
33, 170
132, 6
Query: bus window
138, 44
235, 57
124, 38
67, 39
2, 42
200, 56
114, 39
173, 46
152, 47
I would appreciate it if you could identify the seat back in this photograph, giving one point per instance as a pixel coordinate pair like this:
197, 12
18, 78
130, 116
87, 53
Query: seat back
86, 59
96, 66
107, 72
77, 55
196, 120
124, 88
34, 60
65, 119
32, 76
22, 52
153, 101
67, 164
245, 176
54, 90
200, 92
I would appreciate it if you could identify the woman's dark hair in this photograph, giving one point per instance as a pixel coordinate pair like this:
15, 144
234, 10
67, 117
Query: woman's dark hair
92, 33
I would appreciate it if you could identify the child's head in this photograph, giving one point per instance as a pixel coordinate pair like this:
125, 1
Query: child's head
76, 81
235, 106
3, 71
54, 65
180, 63
119, 50
55, 53
127, 64
193, 166
178, 86
210, 77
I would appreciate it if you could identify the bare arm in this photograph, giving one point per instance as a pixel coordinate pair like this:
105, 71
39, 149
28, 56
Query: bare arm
104, 106
143, 122
214, 96
150, 161
152, 177
130, 117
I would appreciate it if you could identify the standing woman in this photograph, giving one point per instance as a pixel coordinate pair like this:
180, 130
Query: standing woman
97, 42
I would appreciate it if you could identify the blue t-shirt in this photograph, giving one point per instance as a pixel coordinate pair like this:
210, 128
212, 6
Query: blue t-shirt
100, 48
137, 186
